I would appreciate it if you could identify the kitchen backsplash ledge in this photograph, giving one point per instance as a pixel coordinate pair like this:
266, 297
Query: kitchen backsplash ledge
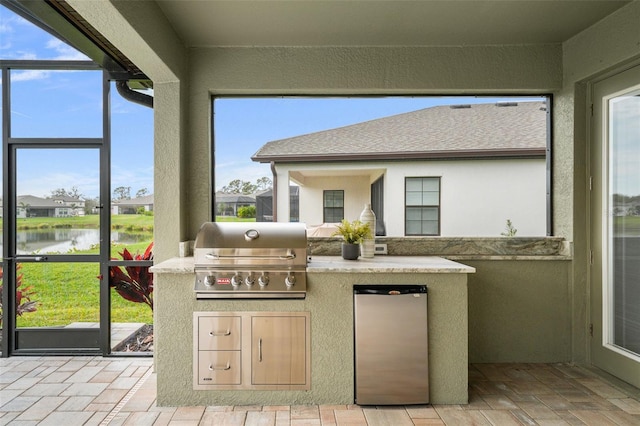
455, 246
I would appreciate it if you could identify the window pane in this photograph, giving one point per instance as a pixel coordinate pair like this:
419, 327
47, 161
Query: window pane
131, 178
430, 228
56, 104
414, 198
294, 125
430, 199
422, 221
414, 227
624, 233
21, 40
62, 294
54, 209
414, 184
414, 213
431, 184
333, 215
430, 214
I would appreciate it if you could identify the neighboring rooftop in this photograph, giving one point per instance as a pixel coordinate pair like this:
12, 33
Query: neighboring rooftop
479, 130
33, 201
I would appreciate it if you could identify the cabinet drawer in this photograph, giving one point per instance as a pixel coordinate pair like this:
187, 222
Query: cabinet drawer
219, 368
219, 333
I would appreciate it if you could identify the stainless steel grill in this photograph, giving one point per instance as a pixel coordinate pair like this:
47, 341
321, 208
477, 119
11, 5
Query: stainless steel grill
251, 260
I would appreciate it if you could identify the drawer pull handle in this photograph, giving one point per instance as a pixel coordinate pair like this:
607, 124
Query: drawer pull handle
226, 367
220, 333
260, 349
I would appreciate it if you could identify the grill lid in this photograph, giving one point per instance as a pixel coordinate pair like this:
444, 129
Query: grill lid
251, 235
255, 243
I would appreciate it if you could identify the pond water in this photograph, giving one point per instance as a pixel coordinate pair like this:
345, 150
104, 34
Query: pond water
66, 240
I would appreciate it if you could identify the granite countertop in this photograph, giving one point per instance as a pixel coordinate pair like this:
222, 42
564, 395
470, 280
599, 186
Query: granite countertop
400, 264
175, 265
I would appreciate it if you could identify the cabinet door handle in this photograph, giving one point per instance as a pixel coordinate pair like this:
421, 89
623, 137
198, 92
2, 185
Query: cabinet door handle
220, 333
226, 367
260, 349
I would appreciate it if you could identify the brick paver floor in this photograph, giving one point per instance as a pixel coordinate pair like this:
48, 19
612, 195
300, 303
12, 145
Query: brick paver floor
71, 391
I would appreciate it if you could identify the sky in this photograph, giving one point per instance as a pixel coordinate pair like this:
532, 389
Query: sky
241, 125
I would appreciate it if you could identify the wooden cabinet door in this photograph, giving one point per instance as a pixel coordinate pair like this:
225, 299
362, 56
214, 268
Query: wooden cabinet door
278, 350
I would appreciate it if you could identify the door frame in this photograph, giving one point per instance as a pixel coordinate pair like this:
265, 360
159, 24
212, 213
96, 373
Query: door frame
615, 361
98, 339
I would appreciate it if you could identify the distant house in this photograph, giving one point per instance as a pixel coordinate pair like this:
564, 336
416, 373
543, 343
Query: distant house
132, 205
228, 204
459, 170
64, 206
264, 205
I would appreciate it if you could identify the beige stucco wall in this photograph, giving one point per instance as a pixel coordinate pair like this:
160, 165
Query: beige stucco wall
183, 108
518, 311
330, 304
356, 194
335, 70
609, 45
476, 198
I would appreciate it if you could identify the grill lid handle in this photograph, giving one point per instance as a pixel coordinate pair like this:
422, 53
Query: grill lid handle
251, 234
289, 256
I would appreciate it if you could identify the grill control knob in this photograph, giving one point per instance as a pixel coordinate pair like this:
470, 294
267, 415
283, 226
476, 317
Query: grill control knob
250, 280
209, 280
236, 280
263, 280
290, 280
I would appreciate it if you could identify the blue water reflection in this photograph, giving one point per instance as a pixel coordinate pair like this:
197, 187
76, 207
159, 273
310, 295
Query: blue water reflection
67, 240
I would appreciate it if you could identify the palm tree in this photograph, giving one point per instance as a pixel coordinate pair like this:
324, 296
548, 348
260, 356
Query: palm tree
25, 207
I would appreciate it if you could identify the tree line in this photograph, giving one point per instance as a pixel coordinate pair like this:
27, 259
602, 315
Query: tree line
238, 186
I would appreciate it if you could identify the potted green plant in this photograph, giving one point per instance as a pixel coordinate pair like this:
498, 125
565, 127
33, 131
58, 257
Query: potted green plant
352, 234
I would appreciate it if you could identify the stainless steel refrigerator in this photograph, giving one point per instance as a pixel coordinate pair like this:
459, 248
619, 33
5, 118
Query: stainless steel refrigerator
391, 344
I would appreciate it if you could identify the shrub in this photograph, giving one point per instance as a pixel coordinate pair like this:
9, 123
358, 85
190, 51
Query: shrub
133, 283
24, 303
247, 211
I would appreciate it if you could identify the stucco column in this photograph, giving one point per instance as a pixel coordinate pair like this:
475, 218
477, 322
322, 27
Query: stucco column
169, 173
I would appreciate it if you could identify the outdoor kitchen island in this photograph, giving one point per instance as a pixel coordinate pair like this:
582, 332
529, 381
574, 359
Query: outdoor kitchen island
329, 305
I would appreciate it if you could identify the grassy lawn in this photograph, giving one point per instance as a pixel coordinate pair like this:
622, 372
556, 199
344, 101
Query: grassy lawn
70, 292
629, 224
234, 219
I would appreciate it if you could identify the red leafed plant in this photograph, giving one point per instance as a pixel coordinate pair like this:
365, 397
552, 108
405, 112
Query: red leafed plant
23, 295
134, 283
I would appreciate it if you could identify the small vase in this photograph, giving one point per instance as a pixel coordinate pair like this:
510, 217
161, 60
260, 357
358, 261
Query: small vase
368, 244
350, 251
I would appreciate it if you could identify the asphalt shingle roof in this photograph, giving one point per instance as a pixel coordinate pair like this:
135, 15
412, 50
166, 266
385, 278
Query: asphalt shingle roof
438, 131
32, 201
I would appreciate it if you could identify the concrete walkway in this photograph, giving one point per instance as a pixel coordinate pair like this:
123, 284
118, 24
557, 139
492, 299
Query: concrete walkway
121, 391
